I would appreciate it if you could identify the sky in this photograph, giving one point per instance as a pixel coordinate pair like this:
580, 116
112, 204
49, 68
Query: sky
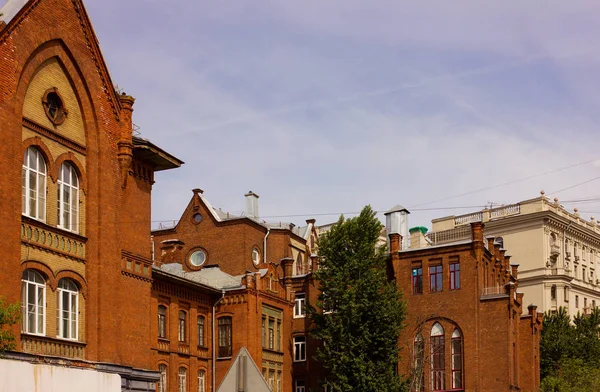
324, 106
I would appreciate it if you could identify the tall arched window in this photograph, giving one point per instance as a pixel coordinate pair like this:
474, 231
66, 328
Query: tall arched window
182, 380
438, 381
182, 320
68, 198
33, 181
419, 364
162, 321
201, 381
33, 300
162, 382
457, 360
67, 309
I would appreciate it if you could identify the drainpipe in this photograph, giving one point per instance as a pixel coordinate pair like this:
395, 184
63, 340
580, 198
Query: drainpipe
214, 354
265, 246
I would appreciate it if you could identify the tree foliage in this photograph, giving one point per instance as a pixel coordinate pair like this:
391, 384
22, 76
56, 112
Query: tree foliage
9, 316
570, 352
362, 311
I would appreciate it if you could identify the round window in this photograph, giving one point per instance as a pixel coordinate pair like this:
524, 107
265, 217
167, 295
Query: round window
255, 256
198, 258
54, 106
197, 218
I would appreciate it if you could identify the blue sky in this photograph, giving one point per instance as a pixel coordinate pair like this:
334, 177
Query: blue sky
326, 106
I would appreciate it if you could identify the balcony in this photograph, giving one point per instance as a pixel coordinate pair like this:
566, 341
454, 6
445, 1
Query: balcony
55, 347
494, 290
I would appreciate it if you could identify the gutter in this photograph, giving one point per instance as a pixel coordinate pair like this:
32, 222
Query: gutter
265, 246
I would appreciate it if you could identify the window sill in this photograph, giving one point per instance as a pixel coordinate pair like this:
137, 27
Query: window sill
224, 358
300, 317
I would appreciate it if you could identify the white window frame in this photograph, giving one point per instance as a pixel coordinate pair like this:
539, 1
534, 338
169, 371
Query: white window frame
300, 348
68, 198
201, 381
162, 382
300, 305
34, 185
182, 380
299, 386
72, 313
182, 326
38, 307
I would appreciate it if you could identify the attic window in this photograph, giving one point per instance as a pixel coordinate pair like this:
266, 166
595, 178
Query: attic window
54, 106
197, 218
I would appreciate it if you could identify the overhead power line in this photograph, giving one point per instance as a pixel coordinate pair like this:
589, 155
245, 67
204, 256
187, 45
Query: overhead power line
510, 182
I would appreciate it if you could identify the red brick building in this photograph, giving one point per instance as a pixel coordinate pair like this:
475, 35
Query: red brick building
464, 329
75, 197
233, 282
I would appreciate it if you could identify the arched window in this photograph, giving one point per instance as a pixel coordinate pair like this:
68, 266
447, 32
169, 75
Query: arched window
33, 181
201, 331
225, 337
162, 382
182, 380
499, 241
201, 381
67, 309
419, 364
457, 360
438, 381
33, 300
553, 292
182, 319
68, 198
162, 321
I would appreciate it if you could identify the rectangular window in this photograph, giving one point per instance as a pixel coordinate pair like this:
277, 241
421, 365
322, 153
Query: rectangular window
299, 386
201, 331
454, 276
182, 332
278, 341
162, 321
299, 348
583, 275
566, 293
417, 280
264, 332
299, 305
224, 337
435, 278
577, 301
271, 334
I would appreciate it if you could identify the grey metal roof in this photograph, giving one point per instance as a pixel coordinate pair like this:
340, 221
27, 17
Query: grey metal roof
396, 208
208, 276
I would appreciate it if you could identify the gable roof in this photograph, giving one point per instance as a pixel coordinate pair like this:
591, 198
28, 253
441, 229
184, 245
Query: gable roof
16, 12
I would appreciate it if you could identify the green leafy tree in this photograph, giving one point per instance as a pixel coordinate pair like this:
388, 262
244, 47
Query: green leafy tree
9, 316
557, 341
361, 310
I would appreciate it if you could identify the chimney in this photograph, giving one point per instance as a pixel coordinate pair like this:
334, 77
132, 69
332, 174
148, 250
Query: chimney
417, 237
251, 204
395, 244
477, 232
514, 269
396, 222
125, 143
286, 264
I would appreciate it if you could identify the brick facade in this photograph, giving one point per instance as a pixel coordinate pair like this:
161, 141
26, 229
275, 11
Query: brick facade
97, 237
484, 343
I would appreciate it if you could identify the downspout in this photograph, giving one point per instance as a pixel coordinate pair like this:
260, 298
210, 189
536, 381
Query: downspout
265, 246
214, 355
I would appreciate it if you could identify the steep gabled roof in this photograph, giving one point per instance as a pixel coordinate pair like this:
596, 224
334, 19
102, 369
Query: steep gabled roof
16, 12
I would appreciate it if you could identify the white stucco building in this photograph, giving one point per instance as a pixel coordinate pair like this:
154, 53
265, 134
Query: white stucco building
557, 250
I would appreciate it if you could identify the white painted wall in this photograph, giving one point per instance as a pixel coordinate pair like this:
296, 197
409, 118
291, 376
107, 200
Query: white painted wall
17, 376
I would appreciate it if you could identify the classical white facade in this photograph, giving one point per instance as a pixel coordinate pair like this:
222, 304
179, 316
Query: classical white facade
557, 250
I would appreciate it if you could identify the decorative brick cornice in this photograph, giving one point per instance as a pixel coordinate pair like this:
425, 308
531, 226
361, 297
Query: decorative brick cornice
96, 55
50, 134
136, 276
